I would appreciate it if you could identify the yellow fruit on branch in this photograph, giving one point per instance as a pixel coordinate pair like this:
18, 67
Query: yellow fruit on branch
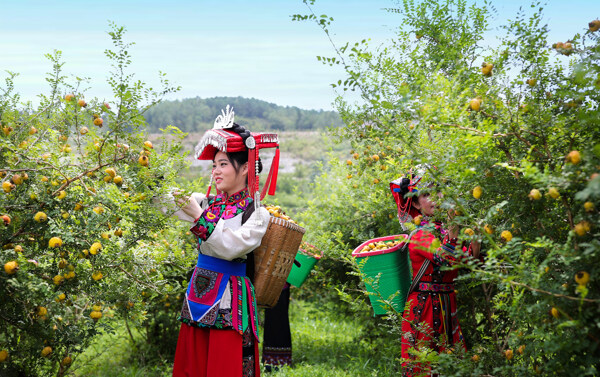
477, 191
46, 351
582, 277
5, 219
475, 358
42, 311
486, 68
143, 160
18, 249
469, 232
55, 242
61, 297
98, 122
475, 104
84, 130
66, 361
553, 193
97, 275
574, 157
40, 217
148, 144
535, 194
582, 228
506, 236
118, 233
7, 186
69, 97
521, 349
58, 279
95, 248
488, 229
375, 157
61, 194
356, 156
594, 25
555, 313
588, 206
3, 355
508, 354
95, 315
98, 210
531, 82
118, 180
11, 267
82, 103
348, 162
111, 172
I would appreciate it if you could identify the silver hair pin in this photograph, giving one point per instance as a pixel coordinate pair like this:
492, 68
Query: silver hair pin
225, 120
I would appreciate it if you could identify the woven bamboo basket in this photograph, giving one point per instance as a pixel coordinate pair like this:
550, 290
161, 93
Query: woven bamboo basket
274, 258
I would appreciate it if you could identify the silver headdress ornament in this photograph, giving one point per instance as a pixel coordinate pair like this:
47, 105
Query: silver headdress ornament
225, 120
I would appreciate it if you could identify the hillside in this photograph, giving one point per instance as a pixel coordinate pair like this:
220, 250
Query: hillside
198, 114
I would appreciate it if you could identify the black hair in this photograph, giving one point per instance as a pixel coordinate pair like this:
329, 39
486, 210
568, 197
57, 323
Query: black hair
238, 159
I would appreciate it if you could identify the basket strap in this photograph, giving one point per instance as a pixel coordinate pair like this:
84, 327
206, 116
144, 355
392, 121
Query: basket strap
418, 277
421, 271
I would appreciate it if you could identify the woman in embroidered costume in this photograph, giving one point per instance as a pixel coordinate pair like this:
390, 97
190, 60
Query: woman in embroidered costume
430, 317
219, 333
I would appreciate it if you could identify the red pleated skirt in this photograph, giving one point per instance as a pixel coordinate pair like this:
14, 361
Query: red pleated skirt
208, 352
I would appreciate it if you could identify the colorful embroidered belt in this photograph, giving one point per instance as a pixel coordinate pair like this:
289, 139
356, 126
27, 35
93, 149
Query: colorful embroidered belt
207, 293
435, 287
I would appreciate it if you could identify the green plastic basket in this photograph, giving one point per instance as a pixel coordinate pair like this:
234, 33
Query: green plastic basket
386, 274
307, 261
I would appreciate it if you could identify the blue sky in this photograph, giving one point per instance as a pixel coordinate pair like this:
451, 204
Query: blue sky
216, 48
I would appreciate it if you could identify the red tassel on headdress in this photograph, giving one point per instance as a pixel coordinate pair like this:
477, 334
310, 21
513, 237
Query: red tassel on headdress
271, 182
274, 169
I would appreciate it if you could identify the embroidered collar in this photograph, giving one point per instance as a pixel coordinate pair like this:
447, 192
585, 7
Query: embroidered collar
224, 207
233, 198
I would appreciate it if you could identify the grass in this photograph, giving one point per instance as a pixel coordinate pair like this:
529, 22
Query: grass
324, 345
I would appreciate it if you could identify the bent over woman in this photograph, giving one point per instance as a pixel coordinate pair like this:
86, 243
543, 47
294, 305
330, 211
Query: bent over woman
219, 333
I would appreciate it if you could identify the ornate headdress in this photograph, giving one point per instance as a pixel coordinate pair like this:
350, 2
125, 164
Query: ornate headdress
411, 183
222, 138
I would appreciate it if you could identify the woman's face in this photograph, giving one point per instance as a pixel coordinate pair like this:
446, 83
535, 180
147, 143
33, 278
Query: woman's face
226, 178
425, 204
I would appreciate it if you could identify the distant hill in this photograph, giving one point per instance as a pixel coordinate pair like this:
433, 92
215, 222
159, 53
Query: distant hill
198, 114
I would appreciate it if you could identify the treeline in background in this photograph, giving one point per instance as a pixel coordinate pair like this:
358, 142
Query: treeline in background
198, 114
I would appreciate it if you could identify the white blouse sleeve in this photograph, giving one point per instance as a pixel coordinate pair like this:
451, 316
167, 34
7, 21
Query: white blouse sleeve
230, 239
169, 206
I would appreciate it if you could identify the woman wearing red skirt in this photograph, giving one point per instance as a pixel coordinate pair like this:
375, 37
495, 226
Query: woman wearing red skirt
430, 318
219, 333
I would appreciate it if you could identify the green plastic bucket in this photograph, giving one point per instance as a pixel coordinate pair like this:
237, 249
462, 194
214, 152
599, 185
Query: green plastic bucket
307, 261
386, 274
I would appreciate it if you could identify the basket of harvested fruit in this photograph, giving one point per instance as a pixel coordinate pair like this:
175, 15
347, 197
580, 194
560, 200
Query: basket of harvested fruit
385, 269
307, 256
274, 258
